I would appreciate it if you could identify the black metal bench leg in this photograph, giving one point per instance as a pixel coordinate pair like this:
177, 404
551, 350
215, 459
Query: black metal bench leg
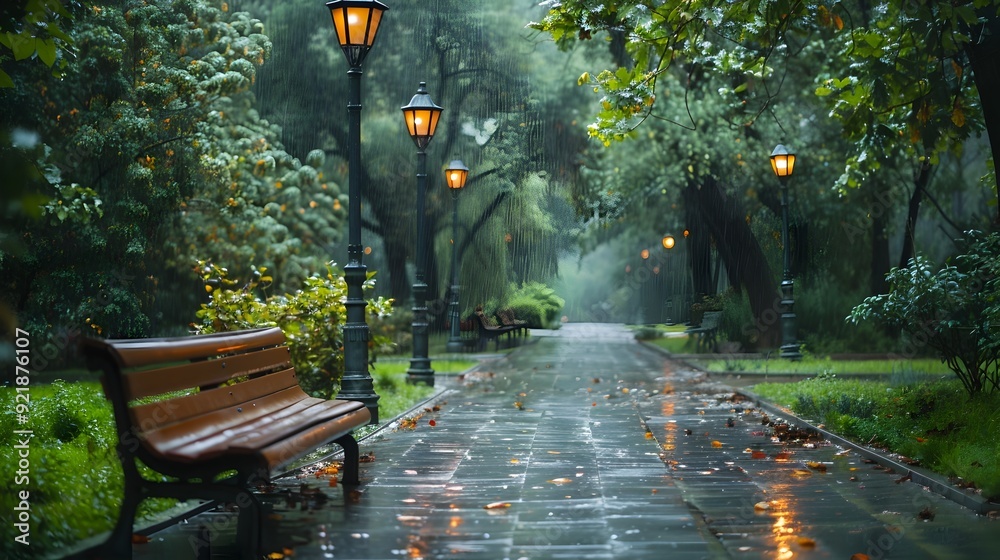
119, 544
352, 456
248, 526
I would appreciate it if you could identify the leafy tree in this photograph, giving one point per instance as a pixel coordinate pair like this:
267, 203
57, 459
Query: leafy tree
152, 154
900, 109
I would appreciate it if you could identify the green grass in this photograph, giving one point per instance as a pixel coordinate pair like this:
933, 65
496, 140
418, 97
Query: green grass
673, 344
814, 366
937, 423
393, 365
76, 481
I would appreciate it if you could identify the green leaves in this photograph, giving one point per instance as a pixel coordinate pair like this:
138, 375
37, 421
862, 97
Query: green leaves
311, 317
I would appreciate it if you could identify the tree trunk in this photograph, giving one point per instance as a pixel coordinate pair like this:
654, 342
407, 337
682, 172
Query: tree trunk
699, 244
985, 59
912, 214
880, 254
745, 263
395, 257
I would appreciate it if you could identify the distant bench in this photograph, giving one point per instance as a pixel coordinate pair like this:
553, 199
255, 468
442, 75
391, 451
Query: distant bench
705, 334
199, 406
490, 330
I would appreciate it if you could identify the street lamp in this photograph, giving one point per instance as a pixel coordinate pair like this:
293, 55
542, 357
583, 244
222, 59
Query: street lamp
421, 117
455, 174
668, 243
356, 22
783, 164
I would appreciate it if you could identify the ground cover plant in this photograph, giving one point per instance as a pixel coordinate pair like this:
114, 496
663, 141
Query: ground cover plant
936, 423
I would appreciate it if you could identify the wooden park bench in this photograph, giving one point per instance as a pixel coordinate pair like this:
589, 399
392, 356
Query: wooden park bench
490, 330
198, 407
705, 334
509, 319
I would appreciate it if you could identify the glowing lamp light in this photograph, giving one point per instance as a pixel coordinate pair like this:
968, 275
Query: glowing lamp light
356, 23
668, 241
421, 117
782, 161
456, 174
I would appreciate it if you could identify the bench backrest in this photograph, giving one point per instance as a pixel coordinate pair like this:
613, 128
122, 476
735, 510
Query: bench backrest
711, 319
157, 383
485, 320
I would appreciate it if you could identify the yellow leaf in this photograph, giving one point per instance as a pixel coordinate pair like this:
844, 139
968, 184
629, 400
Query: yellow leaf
958, 116
560, 481
716, 443
497, 505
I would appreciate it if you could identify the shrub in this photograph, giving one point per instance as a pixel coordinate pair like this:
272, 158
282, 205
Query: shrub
953, 310
311, 319
536, 303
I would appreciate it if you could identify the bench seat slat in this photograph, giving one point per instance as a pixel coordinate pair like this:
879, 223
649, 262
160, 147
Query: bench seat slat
252, 436
147, 383
196, 428
153, 416
285, 451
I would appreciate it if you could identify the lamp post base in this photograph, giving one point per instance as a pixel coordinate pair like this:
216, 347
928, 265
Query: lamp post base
789, 342
420, 365
455, 343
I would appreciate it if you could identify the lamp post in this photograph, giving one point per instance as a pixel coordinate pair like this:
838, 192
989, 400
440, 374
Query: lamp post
455, 175
421, 117
356, 23
668, 243
783, 164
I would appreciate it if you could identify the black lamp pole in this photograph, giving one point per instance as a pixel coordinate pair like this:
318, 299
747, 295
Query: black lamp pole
356, 24
668, 244
456, 175
421, 117
783, 164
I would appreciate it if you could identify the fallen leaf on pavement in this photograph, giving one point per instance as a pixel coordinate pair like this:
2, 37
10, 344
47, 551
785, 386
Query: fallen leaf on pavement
497, 505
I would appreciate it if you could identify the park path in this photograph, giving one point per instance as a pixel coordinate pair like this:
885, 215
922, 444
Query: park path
584, 444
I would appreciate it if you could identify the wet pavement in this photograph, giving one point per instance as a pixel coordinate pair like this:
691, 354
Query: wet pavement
585, 444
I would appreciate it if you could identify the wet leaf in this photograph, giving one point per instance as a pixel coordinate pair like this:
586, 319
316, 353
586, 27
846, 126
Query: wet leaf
859, 556
560, 481
816, 466
762, 506
716, 443
432, 422
139, 539
806, 542
497, 505
758, 455
367, 457
801, 473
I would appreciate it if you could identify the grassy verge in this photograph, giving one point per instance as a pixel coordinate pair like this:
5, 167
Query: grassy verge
674, 344
935, 423
815, 366
75, 481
